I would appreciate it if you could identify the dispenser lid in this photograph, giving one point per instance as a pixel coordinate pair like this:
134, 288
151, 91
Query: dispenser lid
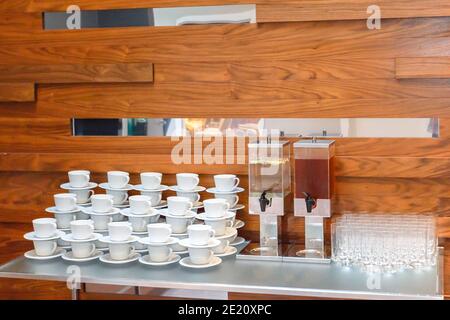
313, 143
264, 144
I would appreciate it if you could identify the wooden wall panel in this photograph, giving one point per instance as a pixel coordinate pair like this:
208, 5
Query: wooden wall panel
297, 69
422, 68
78, 73
17, 92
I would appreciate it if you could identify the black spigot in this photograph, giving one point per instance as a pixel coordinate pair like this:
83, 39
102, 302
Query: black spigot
264, 202
310, 202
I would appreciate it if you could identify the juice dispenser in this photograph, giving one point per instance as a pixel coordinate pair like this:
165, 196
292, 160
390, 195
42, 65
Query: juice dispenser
314, 188
269, 195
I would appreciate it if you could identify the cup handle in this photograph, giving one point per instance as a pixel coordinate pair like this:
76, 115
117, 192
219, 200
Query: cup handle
159, 198
237, 182
227, 243
91, 226
91, 192
197, 179
132, 252
125, 197
226, 206
111, 219
212, 233
93, 248
235, 202
127, 179
198, 198
211, 253
111, 201
55, 225
55, 246
87, 177
149, 205
229, 223
170, 252
191, 205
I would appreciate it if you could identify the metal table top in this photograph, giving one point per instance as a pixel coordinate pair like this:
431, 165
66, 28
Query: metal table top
245, 276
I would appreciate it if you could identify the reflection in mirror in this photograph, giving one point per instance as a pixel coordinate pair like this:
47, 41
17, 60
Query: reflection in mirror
295, 127
176, 16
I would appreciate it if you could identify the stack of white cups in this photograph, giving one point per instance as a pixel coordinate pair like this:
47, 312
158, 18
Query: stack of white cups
159, 244
80, 185
82, 241
121, 243
44, 237
151, 187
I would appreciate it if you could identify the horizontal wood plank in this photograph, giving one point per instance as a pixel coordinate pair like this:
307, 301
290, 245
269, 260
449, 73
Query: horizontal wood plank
17, 92
422, 68
77, 73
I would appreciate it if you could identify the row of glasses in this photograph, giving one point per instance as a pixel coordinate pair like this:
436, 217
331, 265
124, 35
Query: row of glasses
384, 243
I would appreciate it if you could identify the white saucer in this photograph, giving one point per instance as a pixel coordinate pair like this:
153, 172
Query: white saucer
106, 258
179, 234
126, 204
235, 190
107, 239
238, 224
32, 255
68, 256
32, 236
196, 189
237, 207
228, 252
128, 213
69, 238
230, 232
187, 243
105, 185
237, 241
67, 186
140, 187
56, 211
141, 250
89, 211
86, 204
181, 252
165, 213
161, 205
228, 215
172, 259
139, 233
186, 262
147, 242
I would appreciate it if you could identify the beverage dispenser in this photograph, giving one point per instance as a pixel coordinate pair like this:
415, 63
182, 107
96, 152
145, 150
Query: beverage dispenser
269, 195
314, 188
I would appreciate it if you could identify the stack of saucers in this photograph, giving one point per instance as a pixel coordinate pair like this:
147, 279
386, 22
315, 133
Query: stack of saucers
102, 211
179, 216
187, 187
227, 188
44, 237
151, 187
140, 214
82, 240
159, 244
218, 217
121, 243
80, 185
200, 244
118, 187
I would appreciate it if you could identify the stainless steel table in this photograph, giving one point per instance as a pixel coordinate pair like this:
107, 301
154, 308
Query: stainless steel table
245, 276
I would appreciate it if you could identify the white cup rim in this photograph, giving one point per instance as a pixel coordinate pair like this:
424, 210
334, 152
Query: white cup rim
44, 220
116, 172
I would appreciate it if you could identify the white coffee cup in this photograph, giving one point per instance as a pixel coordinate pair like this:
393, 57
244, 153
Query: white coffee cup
83, 249
119, 196
187, 181
155, 197
65, 201
102, 203
221, 247
79, 178
192, 196
140, 204
159, 232
200, 234
226, 182
159, 253
178, 206
200, 255
45, 227
82, 229
139, 224
231, 198
121, 251
101, 221
120, 231
151, 180
45, 248
215, 208
63, 220
179, 224
118, 179
219, 225
83, 195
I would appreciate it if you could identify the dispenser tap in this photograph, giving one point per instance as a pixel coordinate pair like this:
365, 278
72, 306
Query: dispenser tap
264, 202
310, 202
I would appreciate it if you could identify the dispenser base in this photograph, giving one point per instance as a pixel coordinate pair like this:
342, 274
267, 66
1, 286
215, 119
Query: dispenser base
298, 253
254, 251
